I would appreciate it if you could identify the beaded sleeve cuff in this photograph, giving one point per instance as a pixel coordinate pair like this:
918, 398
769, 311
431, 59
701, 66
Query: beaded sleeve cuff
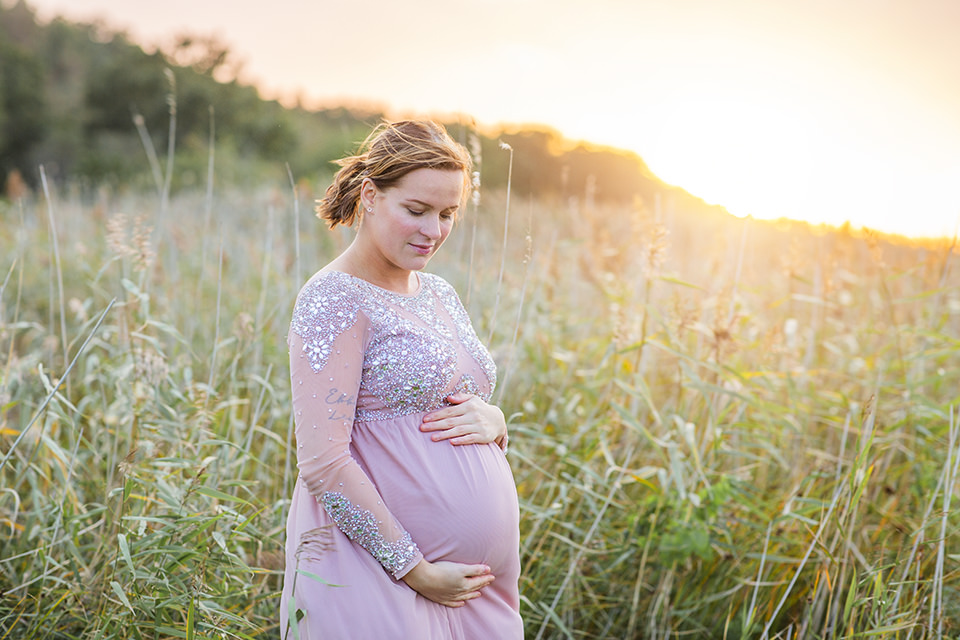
361, 526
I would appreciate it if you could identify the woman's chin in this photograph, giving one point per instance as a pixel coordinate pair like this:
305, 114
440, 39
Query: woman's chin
417, 263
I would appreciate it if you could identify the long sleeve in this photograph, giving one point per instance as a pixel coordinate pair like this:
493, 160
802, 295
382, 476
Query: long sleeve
327, 340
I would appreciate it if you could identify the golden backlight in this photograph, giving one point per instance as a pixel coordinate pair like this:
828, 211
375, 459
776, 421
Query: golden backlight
753, 161
770, 163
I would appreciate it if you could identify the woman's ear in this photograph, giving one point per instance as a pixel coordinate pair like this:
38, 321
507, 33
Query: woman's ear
368, 194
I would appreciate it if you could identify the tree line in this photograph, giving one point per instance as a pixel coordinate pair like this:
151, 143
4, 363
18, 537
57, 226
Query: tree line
91, 106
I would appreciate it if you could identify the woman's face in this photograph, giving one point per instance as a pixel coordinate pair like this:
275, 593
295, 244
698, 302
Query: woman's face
410, 220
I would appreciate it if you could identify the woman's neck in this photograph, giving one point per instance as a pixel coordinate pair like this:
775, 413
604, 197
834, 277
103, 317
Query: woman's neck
387, 276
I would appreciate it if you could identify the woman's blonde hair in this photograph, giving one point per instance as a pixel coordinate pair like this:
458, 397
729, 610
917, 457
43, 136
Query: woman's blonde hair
391, 151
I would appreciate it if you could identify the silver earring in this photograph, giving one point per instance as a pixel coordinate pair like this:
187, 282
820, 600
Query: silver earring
369, 209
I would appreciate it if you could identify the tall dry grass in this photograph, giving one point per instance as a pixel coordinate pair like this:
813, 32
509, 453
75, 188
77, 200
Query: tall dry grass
720, 429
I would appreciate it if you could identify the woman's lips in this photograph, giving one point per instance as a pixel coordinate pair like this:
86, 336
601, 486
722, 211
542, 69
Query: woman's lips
422, 249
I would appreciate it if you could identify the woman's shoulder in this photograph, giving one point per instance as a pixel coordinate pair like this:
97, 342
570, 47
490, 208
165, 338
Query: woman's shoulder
327, 282
329, 299
444, 291
436, 283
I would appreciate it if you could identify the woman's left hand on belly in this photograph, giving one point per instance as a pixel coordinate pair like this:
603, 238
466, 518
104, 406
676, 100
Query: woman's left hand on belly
451, 584
469, 420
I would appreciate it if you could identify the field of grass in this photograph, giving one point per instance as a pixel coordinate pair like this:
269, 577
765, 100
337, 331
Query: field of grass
719, 428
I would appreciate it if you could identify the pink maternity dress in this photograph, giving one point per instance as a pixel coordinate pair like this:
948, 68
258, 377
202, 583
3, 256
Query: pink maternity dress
375, 494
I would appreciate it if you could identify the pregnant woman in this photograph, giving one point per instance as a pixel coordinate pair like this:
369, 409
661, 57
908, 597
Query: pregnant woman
404, 520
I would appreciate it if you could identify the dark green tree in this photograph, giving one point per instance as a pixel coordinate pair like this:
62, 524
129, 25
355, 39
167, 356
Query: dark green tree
22, 108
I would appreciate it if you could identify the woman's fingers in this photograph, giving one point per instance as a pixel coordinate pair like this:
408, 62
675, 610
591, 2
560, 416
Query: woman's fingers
456, 400
481, 582
436, 424
479, 578
473, 578
469, 595
462, 600
447, 423
475, 570
469, 420
450, 433
461, 436
449, 583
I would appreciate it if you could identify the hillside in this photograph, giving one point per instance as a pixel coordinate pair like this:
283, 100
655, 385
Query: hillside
73, 92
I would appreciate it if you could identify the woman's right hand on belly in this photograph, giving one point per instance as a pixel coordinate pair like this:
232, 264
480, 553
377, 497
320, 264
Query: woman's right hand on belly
448, 583
468, 420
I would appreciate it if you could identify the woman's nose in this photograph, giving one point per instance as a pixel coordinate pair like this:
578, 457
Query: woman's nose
431, 227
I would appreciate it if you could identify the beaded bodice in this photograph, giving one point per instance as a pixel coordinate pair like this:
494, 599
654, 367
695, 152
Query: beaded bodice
418, 349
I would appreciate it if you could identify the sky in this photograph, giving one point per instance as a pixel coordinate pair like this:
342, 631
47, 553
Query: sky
822, 110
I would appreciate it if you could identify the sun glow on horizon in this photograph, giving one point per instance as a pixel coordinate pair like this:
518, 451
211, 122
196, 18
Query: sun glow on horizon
753, 161
771, 163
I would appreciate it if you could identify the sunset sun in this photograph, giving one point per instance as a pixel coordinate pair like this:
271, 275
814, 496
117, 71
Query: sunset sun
754, 161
